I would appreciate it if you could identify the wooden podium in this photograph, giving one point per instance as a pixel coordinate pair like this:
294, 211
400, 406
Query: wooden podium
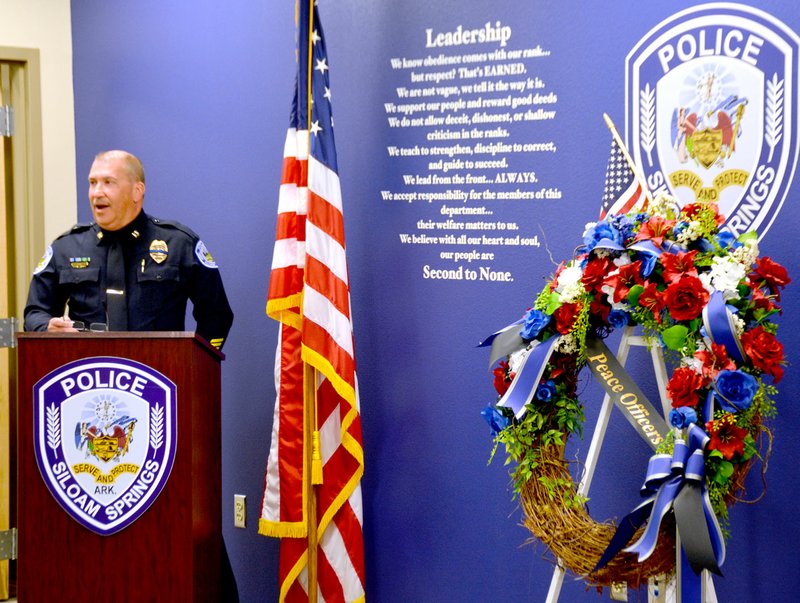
173, 550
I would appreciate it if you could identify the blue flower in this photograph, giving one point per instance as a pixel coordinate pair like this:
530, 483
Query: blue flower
618, 318
682, 417
624, 225
735, 390
727, 240
704, 245
535, 321
649, 261
496, 420
546, 391
600, 231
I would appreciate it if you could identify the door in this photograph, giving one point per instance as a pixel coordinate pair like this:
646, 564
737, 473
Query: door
21, 243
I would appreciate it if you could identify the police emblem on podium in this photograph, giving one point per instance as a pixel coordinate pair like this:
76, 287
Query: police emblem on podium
105, 431
711, 97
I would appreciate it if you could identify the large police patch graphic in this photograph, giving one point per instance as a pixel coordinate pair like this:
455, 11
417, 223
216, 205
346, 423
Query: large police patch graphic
711, 111
105, 433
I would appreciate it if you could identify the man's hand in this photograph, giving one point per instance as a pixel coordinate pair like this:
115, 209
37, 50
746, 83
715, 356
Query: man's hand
61, 324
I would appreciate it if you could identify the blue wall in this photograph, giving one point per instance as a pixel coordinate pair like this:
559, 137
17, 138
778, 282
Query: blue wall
200, 91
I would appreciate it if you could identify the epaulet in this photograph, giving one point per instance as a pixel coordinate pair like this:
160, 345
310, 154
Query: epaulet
75, 230
176, 225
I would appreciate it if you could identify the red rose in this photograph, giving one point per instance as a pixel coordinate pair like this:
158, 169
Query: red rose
683, 385
502, 377
686, 298
565, 317
772, 274
595, 272
765, 351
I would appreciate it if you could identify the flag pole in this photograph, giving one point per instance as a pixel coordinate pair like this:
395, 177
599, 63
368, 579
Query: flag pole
314, 463
309, 387
648, 197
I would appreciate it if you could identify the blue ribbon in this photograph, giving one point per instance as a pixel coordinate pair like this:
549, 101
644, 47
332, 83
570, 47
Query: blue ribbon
675, 482
523, 387
708, 407
608, 244
646, 246
718, 322
504, 342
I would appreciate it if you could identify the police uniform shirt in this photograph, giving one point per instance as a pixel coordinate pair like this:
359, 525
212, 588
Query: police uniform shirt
166, 264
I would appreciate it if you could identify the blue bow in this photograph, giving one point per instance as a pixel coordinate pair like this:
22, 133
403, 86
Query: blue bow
675, 482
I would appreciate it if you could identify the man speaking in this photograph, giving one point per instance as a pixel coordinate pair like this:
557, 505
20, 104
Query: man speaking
127, 271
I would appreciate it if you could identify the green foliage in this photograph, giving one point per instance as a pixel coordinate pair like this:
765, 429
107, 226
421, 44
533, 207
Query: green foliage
544, 425
675, 337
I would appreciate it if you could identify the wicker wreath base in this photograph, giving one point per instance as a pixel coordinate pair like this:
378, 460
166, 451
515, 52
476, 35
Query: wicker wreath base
578, 541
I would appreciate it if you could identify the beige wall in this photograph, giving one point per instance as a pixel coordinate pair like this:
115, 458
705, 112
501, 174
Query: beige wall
46, 25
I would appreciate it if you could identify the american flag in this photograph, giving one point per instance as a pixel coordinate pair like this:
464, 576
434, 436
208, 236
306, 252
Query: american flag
623, 191
314, 507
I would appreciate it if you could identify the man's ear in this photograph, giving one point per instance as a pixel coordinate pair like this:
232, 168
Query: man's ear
138, 191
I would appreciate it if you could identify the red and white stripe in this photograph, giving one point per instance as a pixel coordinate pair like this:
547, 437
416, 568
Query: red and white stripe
629, 199
309, 294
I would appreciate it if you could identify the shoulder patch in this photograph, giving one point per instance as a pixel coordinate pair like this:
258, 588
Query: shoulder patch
48, 255
204, 255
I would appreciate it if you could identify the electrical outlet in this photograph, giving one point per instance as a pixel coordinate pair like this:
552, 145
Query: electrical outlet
239, 511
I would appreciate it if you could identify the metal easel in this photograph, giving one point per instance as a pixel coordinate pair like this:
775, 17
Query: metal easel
669, 592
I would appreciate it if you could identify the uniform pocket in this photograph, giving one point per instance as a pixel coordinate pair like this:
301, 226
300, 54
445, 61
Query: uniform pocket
83, 290
77, 276
159, 274
158, 287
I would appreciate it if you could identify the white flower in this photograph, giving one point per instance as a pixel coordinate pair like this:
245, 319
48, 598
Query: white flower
693, 363
663, 205
726, 274
516, 359
588, 228
566, 344
739, 325
690, 233
747, 254
569, 284
705, 278
620, 261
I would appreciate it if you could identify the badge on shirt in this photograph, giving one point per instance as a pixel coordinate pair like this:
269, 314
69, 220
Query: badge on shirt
79, 262
48, 255
158, 251
204, 255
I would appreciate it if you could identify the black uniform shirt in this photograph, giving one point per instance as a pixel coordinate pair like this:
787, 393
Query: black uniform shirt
166, 264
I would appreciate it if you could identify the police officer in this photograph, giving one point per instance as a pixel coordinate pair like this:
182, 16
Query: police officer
127, 270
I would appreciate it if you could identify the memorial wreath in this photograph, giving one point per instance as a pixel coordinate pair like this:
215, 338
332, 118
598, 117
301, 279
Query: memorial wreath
706, 298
